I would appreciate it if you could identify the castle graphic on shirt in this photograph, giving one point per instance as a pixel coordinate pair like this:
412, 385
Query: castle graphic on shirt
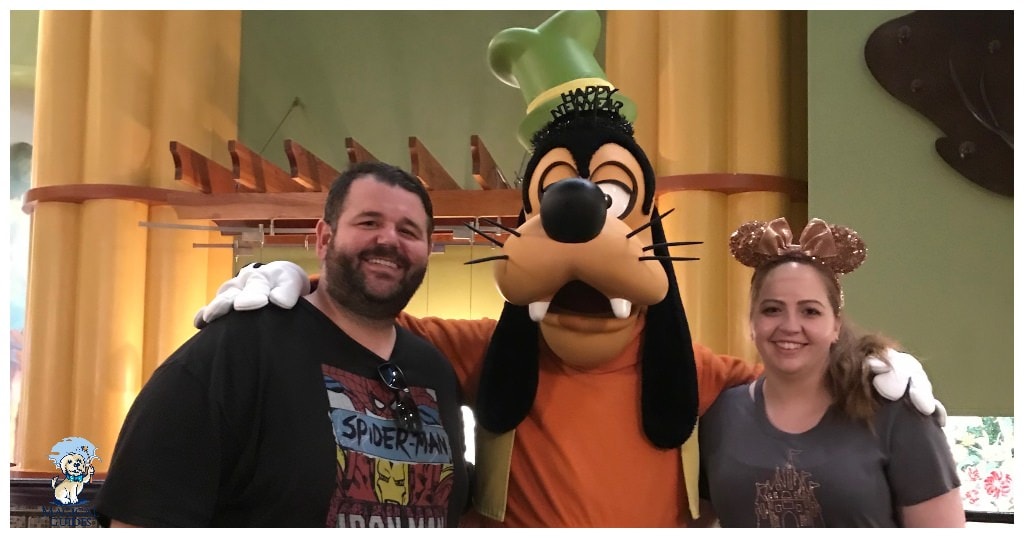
787, 499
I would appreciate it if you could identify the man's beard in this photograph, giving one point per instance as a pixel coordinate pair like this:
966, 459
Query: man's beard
346, 284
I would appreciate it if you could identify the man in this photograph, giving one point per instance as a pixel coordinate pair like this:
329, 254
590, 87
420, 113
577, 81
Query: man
325, 414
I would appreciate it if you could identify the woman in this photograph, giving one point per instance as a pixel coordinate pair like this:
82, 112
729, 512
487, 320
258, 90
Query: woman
808, 444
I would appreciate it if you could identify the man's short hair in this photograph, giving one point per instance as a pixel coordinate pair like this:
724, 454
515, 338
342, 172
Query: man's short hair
383, 173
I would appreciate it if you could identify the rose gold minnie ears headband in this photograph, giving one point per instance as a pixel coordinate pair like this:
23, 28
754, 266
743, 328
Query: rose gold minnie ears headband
838, 248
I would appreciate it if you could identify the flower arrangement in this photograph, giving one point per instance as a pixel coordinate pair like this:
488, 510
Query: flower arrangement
982, 448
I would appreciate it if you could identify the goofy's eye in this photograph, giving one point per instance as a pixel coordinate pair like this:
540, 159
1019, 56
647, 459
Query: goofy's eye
616, 197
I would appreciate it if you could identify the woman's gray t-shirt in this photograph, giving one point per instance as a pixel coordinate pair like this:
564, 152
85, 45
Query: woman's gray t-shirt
837, 474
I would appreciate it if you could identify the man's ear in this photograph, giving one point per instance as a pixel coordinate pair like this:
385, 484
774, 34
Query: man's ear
324, 236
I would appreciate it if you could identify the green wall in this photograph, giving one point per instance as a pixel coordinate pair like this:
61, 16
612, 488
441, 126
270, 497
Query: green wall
939, 272
24, 34
380, 77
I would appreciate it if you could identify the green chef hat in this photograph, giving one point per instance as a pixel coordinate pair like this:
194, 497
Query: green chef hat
554, 66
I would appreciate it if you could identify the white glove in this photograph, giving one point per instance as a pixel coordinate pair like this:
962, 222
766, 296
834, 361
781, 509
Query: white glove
280, 282
892, 381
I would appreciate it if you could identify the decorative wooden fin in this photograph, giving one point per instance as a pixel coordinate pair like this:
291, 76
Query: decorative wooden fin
466, 203
485, 170
956, 69
426, 167
357, 153
307, 169
256, 173
200, 172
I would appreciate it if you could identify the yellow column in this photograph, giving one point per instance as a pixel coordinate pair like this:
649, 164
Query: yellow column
61, 88
758, 139
692, 140
744, 207
112, 267
108, 336
643, 59
631, 62
196, 90
730, 96
195, 102
114, 88
757, 122
123, 50
693, 93
59, 124
173, 270
700, 216
46, 397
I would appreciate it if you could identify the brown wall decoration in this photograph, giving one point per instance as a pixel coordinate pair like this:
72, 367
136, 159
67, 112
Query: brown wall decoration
956, 68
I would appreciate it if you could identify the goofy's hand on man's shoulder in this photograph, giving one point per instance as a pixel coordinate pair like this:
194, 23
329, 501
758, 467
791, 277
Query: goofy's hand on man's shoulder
280, 282
903, 374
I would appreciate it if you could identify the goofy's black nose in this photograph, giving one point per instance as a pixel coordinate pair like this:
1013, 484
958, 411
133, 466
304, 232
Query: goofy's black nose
573, 211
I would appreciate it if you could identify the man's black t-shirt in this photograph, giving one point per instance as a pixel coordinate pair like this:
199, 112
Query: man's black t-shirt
277, 418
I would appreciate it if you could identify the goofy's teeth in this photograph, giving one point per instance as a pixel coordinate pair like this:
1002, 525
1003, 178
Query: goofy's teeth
538, 309
621, 307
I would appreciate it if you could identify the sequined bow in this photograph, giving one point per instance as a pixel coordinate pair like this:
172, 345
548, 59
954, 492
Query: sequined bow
816, 240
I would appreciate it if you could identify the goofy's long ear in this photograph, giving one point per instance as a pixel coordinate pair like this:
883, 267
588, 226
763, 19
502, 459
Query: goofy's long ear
508, 381
669, 401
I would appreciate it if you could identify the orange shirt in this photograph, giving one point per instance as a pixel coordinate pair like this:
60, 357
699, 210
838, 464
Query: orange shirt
580, 457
